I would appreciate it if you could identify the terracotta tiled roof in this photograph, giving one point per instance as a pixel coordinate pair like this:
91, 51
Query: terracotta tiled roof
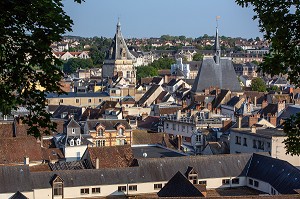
111, 157
52, 154
13, 150
6, 129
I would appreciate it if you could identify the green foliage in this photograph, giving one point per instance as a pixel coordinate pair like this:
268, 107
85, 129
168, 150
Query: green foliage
292, 130
162, 63
273, 88
284, 34
152, 69
98, 49
258, 84
75, 63
27, 28
198, 57
146, 71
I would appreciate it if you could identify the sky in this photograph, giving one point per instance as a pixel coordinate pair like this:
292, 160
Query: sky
153, 18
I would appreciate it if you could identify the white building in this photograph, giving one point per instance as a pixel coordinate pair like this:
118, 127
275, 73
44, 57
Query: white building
179, 67
261, 140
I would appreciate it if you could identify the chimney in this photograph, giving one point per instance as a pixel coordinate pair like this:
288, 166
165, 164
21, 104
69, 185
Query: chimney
179, 142
253, 129
26, 160
264, 104
255, 101
206, 91
253, 119
273, 119
239, 121
97, 163
209, 106
178, 115
280, 106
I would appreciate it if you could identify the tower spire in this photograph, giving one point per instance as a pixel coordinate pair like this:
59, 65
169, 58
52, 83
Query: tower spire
118, 25
217, 48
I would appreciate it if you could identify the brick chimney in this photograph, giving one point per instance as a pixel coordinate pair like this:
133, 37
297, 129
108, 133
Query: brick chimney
97, 163
273, 119
26, 160
264, 104
253, 129
253, 119
209, 106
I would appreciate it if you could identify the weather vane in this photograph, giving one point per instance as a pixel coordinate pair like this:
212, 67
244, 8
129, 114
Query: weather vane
217, 18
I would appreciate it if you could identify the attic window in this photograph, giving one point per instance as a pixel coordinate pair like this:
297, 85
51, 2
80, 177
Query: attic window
121, 132
78, 141
73, 131
71, 142
57, 187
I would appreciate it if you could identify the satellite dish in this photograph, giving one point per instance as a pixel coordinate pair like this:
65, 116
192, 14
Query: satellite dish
144, 155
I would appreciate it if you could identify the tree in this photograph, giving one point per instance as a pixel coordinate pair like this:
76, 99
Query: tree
198, 57
75, 63
146, 71
273, 88
27, 28
283, 33
257, 84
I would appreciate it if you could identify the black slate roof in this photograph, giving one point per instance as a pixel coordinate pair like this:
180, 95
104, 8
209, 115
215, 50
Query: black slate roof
211, 74
179, 186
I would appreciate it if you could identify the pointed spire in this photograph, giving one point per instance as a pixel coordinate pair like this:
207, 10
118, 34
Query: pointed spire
118, 25
217, 48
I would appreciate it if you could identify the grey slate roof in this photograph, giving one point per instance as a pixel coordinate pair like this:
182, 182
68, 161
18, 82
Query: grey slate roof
210, 74
110, 124
278, 173
118, 46
14, 178
289, 111
148, 94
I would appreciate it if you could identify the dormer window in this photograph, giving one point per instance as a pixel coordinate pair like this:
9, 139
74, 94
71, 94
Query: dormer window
57, 187
72, 142
121, 132
100, 132
73, 131
78, 142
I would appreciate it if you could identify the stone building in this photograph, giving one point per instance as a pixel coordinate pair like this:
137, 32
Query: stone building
119, 61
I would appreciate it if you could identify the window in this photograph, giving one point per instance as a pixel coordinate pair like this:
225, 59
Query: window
100, 143
261, 145
61, 101
254, 144
193, 178
89, 100
174, 126
100, 100
84, 191
238, 140
269, 144
113, 91
167, 125
77, 100
235, 181
100, 132
256, 183
250, 181
225, 181
132, 188
183, 128
273, 191
121, 188
121, 132
121, 142
96, 190
78, 142
157, 186
73, 131
198, 138
58, 188
128, 74
245, 142
204, 182
71, 142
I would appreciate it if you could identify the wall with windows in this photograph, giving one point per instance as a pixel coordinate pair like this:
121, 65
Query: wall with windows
259, 185
73, 153
77, 101
213, 183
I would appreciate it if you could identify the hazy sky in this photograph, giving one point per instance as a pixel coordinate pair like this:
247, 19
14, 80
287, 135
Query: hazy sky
153, 18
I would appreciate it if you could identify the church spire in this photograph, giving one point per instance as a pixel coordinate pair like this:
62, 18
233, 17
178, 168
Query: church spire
217, 48
118, 26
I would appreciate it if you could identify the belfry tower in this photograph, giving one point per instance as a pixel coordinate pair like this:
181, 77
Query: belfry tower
119, 61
